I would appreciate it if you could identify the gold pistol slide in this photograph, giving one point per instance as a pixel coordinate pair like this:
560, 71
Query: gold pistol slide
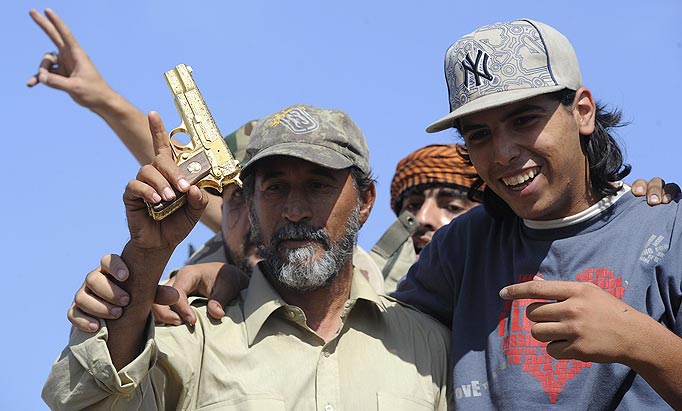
206, 161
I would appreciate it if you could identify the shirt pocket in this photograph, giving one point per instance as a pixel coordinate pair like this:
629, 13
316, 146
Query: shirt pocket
386, 401
250, 403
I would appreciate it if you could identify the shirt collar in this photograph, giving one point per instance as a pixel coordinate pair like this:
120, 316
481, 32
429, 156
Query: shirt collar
584, 215
261, 300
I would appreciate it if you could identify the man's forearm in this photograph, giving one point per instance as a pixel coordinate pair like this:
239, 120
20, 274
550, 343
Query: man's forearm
129, 124
658, 359
127, 333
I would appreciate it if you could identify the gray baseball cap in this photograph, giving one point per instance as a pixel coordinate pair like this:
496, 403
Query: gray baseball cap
504, 63
326, 137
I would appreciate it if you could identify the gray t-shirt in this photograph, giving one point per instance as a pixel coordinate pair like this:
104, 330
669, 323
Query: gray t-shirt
496, 363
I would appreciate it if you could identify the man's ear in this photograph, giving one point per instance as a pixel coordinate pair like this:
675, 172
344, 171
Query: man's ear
367, 198
585, 111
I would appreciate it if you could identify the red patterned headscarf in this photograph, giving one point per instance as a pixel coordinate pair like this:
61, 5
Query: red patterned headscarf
431, 165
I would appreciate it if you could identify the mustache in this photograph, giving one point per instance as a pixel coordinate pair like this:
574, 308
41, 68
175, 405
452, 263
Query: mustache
421, 230
300, 231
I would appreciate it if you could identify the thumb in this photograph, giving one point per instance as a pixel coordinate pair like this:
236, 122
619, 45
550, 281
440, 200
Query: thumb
166, 295
228, 284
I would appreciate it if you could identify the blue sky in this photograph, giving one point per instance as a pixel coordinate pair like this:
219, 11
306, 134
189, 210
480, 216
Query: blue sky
382, 62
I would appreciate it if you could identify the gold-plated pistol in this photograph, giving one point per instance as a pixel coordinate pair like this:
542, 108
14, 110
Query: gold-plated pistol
206, 161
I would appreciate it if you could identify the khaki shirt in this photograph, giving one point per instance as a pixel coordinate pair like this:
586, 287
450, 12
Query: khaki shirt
263, 356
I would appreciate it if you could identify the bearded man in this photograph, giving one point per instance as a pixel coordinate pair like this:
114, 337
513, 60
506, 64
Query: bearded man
309, 332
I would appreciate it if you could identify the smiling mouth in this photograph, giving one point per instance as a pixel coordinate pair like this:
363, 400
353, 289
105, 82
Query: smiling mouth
521, 180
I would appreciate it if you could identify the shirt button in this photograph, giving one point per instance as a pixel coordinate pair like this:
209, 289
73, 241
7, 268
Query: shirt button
329, 407
326, 355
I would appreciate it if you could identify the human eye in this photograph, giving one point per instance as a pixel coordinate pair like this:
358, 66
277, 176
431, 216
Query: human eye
236, 198
525, 120
273, 189
412, 204
453, 208
476, 136
320, 187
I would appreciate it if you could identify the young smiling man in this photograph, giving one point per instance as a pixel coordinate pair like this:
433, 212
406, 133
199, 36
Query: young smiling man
565, 291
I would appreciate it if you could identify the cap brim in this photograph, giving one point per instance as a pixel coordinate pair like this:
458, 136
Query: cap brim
489, 101
314, 153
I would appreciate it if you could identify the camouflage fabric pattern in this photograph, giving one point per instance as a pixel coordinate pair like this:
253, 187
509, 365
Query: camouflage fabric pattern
326, 137
504, 63
436, 164
237, 141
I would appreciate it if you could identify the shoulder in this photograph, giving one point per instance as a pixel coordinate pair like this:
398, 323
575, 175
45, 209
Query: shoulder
416, 323
471, 228
211, 251
368, 267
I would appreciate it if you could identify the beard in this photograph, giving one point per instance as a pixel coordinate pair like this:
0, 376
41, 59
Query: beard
241, 260
299, 269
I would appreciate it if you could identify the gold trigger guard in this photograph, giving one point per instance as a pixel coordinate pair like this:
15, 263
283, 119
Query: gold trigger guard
178, 149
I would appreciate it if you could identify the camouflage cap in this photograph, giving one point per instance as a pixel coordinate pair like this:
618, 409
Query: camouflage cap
237, 142
322, 136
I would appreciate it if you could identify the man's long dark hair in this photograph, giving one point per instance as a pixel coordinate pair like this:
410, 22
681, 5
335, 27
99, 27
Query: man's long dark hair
603, 153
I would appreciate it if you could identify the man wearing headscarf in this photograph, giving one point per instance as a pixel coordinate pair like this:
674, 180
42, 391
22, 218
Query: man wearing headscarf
430, 187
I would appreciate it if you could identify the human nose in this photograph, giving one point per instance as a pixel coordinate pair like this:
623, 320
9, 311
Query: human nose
505, 149
296, 206
428, 215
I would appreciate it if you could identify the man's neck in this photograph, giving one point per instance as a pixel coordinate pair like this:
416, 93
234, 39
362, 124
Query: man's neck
322, 307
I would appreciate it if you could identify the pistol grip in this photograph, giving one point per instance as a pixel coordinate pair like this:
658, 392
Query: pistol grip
194, 169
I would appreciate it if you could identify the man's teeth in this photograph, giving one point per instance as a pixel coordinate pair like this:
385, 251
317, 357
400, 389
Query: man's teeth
520, 178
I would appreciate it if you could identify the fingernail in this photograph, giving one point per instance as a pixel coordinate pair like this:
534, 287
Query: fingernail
654, 199
537, 277
156, 198
667, 198
116, 311
93, 326
120, 274
42, 77
639, 190
168, 193
183, 184
125, 300
504, 292
177, 322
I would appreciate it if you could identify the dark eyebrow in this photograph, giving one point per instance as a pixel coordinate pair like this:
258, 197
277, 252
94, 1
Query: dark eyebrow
268, 174
451, 192
519, 110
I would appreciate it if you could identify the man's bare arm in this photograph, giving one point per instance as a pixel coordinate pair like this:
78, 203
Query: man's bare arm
151, 242
71, 70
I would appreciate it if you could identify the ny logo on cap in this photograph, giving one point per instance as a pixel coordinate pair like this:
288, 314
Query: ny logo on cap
477, 68
296, 119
